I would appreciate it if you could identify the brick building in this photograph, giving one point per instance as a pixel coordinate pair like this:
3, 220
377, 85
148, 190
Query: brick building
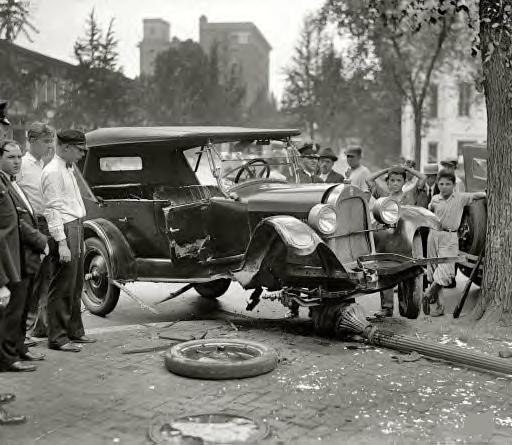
242, 51
156, 38
43, 89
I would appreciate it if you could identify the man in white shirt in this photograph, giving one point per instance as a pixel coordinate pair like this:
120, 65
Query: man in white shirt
41, 138
357, 173
64, 211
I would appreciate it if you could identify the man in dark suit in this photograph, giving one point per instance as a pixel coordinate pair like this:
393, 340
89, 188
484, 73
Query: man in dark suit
10, 263
13, 352
326, 161
423, 199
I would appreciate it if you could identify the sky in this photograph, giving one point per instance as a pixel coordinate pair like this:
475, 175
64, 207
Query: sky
60, 22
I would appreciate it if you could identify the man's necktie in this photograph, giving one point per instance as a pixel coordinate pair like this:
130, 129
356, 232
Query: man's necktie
12, 178
69, 165
429, 194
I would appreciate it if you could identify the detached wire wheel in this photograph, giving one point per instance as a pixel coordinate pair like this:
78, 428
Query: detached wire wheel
220, 359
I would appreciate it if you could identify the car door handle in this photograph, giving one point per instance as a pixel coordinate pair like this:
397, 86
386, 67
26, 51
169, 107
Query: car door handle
172, 230
123, 220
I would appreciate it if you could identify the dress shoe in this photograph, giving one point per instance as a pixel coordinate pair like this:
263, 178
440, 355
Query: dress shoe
83, 339
384, 313
66, 347
10, 419
18, 367
6, 398
32, 356
29, 341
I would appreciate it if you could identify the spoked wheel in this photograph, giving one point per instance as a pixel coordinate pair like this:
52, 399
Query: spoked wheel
218, 359
100, 296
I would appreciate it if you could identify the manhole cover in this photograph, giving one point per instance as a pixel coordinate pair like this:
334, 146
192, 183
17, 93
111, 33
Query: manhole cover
218, 428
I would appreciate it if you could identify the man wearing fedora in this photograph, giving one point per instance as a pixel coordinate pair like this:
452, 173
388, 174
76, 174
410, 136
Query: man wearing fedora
430, 189
326, 160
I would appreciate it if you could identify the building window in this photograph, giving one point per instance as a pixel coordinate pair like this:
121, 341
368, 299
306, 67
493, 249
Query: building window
433, 101
432, 152
465, 96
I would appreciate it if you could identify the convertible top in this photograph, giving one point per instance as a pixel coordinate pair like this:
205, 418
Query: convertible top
188, 136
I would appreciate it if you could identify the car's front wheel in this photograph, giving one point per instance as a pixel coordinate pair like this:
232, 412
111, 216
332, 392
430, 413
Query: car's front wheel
213, 289
100, 295
410, 291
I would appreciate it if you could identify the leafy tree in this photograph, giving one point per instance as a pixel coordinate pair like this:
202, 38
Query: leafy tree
15, 18
187, 88
337, 96
405, 40
303, 74
99, 94
491, 27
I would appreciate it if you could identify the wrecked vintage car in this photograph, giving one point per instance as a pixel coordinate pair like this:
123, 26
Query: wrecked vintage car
211, 205
473, 227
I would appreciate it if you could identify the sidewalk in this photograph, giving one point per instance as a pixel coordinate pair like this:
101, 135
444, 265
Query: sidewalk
321, 392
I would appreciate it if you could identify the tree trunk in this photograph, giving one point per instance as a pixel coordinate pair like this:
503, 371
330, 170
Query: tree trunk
496, 299
418, 123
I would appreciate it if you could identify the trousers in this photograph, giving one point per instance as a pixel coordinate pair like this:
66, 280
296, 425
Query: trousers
65, 290
14, 321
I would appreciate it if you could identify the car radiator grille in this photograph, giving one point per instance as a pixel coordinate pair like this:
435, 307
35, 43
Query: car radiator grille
351, 239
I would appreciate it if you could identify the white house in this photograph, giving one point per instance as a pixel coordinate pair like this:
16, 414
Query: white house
455, 115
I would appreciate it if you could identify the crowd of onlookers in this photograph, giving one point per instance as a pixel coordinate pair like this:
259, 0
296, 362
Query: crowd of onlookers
41, 247
436, 189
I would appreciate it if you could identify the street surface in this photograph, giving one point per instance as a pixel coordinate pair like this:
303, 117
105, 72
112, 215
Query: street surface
320, 392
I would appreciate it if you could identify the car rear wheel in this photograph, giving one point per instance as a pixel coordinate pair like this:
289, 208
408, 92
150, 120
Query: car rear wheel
213, 289
410, 291
100, 296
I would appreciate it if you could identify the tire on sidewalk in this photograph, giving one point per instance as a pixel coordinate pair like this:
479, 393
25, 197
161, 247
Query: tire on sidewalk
220, 359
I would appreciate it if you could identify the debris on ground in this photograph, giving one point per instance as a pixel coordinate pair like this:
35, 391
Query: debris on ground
412, 357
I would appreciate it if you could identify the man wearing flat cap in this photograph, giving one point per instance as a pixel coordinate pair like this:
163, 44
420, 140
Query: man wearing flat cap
326, 160
309, 165
451, 165
357, 173
64, 211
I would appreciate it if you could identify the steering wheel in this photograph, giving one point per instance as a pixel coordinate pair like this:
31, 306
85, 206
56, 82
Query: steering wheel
265, 171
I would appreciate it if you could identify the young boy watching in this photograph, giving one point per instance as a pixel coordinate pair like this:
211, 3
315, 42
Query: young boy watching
395, 180
448, 206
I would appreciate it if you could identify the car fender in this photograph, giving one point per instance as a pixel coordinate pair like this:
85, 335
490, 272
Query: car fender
399, 239
299, 240
122, 259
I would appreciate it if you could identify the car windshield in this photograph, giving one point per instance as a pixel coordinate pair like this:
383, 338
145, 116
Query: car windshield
239, 162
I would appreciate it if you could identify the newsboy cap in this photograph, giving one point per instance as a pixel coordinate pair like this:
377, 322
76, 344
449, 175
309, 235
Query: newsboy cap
430, 169
308, 150
355, 150
328, 153
3, 112
71, 137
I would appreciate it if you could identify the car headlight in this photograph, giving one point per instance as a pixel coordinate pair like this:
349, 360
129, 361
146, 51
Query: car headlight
386, 210
323, 218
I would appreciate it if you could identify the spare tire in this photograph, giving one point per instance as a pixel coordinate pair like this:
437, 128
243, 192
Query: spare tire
473, 227
220, 359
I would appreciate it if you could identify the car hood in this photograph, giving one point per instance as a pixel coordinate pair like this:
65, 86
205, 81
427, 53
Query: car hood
284, 198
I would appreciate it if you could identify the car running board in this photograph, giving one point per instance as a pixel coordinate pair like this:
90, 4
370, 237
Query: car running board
386, 263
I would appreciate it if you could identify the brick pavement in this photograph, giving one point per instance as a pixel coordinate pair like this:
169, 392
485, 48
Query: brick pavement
321, 392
